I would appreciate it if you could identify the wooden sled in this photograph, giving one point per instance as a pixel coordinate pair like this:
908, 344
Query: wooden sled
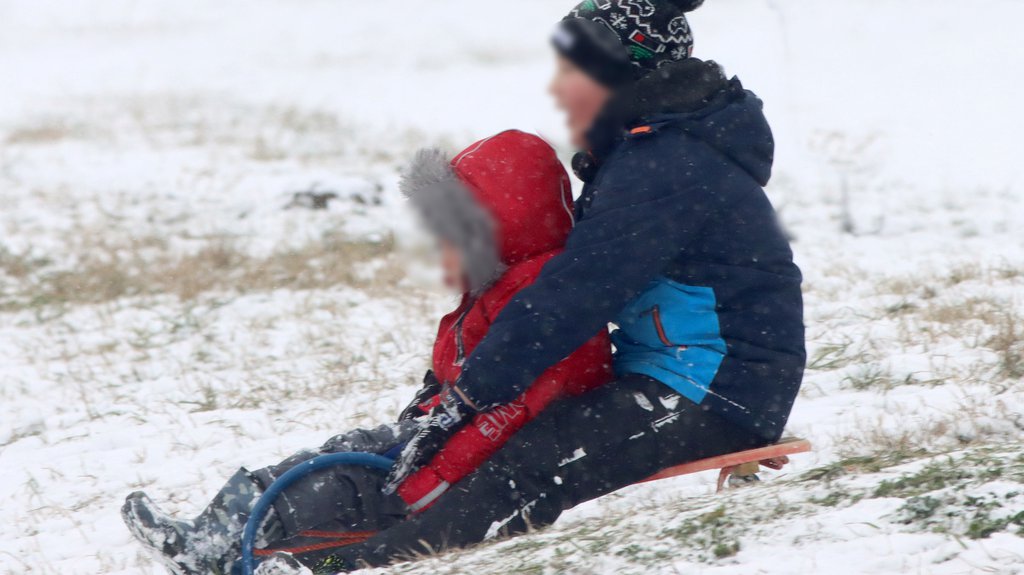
741, 463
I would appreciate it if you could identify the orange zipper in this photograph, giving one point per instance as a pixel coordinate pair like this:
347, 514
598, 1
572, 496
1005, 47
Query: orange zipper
659, 327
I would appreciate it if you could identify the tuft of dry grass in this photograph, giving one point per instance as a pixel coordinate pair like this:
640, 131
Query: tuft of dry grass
971, 304
954, 313
1008, 343
831, 356
19, 266
870, 376
259, 133
146, 266
262, 133
971, 271
44, 132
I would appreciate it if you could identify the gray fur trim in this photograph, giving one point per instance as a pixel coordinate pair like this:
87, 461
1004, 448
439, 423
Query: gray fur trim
450, 211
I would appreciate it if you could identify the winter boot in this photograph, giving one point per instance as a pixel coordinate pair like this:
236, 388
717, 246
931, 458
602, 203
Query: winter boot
208, 545
154, 528
282, 564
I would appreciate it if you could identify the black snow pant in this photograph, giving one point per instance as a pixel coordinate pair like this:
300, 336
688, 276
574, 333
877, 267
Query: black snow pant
579, 449
339, 499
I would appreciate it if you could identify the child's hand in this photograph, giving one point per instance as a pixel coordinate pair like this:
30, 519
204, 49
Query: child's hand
431, 388
445, 419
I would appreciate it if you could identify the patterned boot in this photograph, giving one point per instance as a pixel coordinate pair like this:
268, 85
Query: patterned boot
208, 545
154, 528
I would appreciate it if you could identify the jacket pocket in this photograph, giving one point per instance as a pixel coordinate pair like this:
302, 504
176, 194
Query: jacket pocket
659, 327
671, 315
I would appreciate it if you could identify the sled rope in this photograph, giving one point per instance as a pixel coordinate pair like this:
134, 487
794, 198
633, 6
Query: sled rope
337, 542
338, 534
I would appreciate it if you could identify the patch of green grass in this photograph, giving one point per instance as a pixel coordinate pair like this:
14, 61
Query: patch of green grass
861, 464
713, 532
711, 520
836, 497
870, 376
932, 477
920, 508
959, 514
831, 356
983, 526
722, 550
949, 496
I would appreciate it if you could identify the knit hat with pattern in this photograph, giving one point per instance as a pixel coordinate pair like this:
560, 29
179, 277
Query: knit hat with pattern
619, 41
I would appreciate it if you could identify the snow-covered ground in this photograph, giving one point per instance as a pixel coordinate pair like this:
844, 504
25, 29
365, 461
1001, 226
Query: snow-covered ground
169, 312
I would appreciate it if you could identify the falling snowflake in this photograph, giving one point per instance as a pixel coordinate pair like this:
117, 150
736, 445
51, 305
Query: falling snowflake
619, 21
680, 53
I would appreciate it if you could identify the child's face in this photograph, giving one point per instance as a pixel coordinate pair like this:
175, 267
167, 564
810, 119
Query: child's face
580, 96
452, 266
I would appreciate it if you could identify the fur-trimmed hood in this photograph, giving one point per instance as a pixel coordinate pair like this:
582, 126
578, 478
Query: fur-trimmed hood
502, 200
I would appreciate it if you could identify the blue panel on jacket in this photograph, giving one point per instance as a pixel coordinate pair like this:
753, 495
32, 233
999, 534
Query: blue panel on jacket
671, 332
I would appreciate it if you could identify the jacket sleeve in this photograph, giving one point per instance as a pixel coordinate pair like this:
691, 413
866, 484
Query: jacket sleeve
643, 215
587, 368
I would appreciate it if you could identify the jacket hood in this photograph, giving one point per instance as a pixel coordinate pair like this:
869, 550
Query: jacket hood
695, 96
502, 200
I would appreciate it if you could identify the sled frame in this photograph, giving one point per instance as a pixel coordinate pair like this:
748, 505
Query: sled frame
740, 463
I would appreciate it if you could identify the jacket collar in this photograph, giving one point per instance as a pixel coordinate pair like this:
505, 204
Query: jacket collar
685, 86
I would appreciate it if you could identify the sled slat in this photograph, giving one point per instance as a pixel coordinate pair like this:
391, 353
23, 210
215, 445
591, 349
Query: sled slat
783, 448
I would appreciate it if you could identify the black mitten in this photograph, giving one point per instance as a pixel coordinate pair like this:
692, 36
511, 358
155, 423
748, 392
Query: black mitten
445, 419
431, 387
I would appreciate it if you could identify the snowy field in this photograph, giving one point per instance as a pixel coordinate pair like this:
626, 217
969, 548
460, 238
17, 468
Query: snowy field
171, 306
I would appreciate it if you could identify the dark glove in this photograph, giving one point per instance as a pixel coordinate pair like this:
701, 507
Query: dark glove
445, 419
431, 387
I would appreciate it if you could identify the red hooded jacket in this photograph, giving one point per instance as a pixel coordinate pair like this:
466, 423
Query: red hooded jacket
519, 182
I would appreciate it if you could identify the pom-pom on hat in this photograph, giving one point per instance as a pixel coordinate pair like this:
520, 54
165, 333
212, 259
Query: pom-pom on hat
619, 41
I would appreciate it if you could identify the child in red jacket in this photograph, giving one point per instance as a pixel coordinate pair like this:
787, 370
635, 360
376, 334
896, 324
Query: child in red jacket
504, 208
500, 210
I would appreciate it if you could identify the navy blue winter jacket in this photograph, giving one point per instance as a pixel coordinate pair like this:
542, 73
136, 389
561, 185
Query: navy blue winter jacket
675, 243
